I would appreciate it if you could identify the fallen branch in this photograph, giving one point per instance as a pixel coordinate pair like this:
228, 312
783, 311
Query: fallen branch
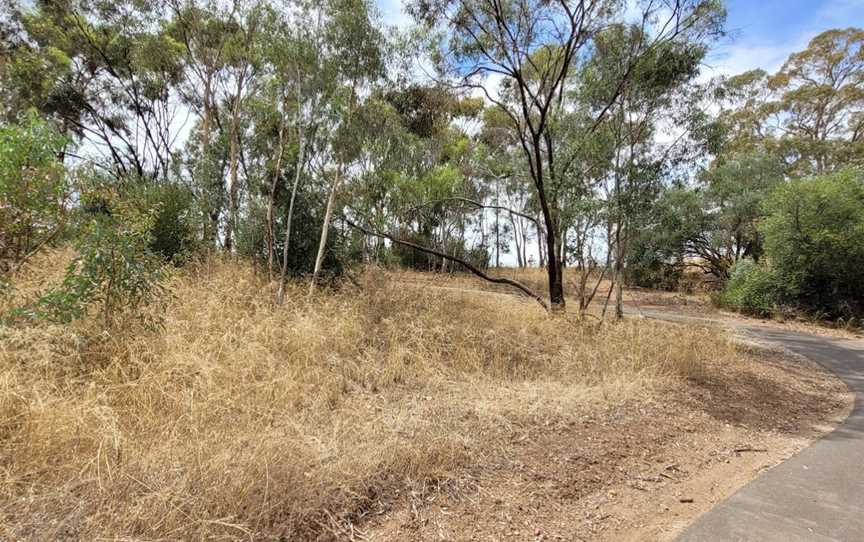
748, 449
495, 280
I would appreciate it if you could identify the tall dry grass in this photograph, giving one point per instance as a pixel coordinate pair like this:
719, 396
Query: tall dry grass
242, 420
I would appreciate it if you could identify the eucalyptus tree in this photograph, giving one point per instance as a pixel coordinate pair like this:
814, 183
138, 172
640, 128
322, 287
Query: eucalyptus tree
105, 72
658, 96
243, 62
352, 43
769, 128
536, 46
820, 105
810, 112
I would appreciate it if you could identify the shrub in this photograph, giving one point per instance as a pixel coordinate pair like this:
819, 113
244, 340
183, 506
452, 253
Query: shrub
33, 189
115, 270
814, 240
647, 268
753, 289
172, 235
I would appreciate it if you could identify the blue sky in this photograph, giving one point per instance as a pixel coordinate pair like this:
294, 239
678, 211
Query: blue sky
763, 32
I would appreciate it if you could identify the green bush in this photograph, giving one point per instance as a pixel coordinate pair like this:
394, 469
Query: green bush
646, 267
33, 189
116, 274
172, 235
753, 289
814, 241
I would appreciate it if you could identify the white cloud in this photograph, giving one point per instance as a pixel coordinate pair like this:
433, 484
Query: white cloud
761, 51
741, 57
393, 13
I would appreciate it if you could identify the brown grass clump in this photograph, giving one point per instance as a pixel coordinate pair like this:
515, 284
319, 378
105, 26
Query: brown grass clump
241, 420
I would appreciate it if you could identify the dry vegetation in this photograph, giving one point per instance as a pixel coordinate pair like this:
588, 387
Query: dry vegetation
240, 420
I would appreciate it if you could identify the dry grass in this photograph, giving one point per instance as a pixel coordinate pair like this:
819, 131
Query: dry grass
241, 420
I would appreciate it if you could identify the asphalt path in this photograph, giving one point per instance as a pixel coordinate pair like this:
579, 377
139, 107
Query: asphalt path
818, 494
815, 496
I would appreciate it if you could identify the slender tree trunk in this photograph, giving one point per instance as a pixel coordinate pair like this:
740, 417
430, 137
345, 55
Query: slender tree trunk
232, 197
322, 245
497, 237
562, 249
234, 162
524, 242
516, 241
271, 202
211, 213
298, 168
619, 251
619, 275
540, 246
497, 243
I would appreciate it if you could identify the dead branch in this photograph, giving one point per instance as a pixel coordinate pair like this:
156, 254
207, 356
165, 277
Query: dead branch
494, 280
478, 205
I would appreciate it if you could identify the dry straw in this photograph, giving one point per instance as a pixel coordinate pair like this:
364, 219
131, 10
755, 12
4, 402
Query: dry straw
242, 420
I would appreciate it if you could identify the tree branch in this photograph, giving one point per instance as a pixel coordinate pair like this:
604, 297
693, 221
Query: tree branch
495, 280
477, 204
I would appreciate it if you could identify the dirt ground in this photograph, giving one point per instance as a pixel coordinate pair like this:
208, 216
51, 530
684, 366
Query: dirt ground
637, 472
699, 305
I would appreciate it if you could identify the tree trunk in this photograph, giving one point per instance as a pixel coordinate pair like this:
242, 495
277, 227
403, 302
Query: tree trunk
298, 168
271, 233
232, 197
555, 274
234, 160
516, 241
540, 245
562, 249
497, 235
322, 245
619, 274
211, 215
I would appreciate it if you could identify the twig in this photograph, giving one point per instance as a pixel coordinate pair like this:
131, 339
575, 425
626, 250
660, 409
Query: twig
749, 449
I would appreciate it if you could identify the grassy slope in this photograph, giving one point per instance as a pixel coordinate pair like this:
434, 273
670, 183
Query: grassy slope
241, 420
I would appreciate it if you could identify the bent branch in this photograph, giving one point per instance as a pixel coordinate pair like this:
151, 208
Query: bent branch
477, 204
495, 280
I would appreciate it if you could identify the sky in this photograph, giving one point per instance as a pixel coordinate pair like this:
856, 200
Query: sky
762, 34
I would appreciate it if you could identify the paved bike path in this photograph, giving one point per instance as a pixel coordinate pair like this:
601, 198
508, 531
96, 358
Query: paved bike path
817, 495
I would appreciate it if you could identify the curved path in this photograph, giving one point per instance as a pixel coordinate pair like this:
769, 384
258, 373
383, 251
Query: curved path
817, 495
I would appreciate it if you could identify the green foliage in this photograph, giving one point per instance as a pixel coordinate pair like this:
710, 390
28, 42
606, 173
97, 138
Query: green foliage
33, 188
647, 268
809, 111
754, 289
814, 239
172, 235
658, 252
115, 272
305, 233
709, 227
